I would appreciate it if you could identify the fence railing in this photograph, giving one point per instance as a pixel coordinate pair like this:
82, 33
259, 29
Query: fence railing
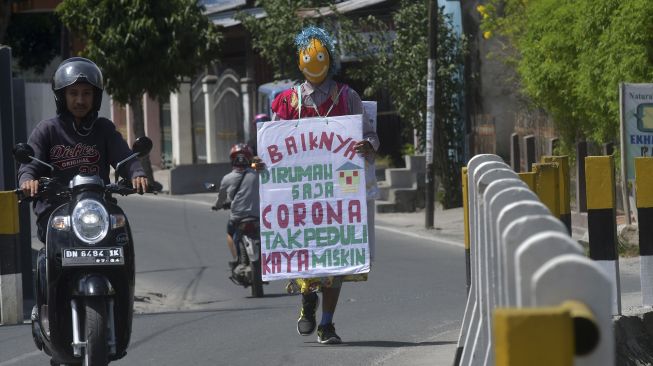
534, 298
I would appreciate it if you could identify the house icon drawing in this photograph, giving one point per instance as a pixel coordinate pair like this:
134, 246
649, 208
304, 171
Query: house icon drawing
349, 177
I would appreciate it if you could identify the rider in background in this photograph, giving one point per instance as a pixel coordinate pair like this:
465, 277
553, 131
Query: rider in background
239, 191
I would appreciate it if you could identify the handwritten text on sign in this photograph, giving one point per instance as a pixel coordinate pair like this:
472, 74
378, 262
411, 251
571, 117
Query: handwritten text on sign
313, 209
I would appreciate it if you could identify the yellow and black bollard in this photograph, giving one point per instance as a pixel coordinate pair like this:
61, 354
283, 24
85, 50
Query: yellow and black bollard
544, 336
644, 199
11, 288
529, 179
546, 186
564, 184
601, 218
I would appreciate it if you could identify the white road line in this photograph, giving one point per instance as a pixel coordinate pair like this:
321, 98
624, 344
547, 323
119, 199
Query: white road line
420, 236
20, 358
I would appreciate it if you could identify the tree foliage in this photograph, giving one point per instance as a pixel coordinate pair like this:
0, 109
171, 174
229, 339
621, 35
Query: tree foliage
274, 35
143, 46
403, 73
34, 39
571, 56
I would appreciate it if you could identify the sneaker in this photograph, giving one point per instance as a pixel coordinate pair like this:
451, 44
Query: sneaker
306, 322
326, 334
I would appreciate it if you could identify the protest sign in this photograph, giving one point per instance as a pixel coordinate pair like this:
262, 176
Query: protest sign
313, 200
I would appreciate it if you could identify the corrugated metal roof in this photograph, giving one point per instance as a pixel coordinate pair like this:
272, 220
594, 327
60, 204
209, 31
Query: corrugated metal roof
216, 6
227, 18
343, 8
222, 12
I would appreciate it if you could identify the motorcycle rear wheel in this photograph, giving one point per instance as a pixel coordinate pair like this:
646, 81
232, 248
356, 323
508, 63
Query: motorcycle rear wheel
257, 281
96, 332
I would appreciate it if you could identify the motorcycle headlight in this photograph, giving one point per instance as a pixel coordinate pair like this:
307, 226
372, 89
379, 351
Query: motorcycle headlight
90, 221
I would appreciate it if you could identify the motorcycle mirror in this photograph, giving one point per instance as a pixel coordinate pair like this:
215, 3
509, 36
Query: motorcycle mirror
209, 186
23, 153
142, 146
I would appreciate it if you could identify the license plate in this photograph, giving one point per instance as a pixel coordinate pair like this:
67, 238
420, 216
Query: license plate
92, 257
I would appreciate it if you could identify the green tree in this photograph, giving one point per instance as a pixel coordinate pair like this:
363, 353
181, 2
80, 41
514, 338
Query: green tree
143, 46
571, 55
33, 37
403, 71
5, 16
274, 35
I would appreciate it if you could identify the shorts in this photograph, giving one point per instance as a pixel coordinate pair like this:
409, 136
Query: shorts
231, 227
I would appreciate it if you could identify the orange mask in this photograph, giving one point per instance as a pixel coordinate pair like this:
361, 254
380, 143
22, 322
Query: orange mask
314, 62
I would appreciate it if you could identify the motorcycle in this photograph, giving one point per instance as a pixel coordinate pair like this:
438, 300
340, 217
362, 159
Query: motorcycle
85, 275
246, 271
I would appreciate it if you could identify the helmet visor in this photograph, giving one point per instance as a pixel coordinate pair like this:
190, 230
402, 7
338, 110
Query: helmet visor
77, 71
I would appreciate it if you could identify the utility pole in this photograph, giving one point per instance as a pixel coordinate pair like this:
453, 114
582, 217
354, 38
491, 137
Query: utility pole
430, 113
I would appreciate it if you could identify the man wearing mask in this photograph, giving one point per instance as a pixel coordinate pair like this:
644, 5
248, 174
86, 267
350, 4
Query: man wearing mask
320, 96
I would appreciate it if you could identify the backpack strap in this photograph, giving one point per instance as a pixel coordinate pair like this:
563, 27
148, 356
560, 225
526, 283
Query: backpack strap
242, 177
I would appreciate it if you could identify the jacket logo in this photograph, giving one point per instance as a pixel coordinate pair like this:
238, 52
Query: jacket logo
64, 157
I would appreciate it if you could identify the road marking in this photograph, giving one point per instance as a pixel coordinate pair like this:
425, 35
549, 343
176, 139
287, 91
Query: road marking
20, 358
421, 236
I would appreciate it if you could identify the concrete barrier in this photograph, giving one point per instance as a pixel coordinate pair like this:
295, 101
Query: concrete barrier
521, 258
11, 283
471, 305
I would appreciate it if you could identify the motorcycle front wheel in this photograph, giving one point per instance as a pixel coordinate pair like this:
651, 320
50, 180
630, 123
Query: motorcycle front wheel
96, 332
257, 281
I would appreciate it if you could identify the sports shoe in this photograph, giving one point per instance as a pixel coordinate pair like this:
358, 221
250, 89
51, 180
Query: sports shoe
326, 334
306, 322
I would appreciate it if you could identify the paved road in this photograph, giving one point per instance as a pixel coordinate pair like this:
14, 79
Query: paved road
408, 313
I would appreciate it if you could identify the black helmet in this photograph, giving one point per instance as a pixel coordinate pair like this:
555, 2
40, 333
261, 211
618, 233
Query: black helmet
75, 70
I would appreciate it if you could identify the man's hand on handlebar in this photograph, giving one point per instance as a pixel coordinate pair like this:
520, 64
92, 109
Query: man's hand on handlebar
30, 187
140, 184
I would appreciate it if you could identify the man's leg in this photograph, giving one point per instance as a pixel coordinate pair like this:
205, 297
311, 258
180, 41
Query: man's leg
231, 229
307, 322
232, 247
329, 301
326, 331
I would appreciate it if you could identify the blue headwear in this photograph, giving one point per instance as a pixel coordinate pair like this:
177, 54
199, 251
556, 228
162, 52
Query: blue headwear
303, 41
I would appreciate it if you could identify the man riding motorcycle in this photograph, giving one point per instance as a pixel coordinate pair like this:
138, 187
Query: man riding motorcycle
239, 192
76, 144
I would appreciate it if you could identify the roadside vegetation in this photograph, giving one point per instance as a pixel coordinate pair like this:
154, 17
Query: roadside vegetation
571, 55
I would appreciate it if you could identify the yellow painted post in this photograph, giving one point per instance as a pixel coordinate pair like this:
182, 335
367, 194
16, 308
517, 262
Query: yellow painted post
586, 328
644, 197
542, 336
11, 284
529, 179
565, 183
546, 186
466, 228
601, 218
